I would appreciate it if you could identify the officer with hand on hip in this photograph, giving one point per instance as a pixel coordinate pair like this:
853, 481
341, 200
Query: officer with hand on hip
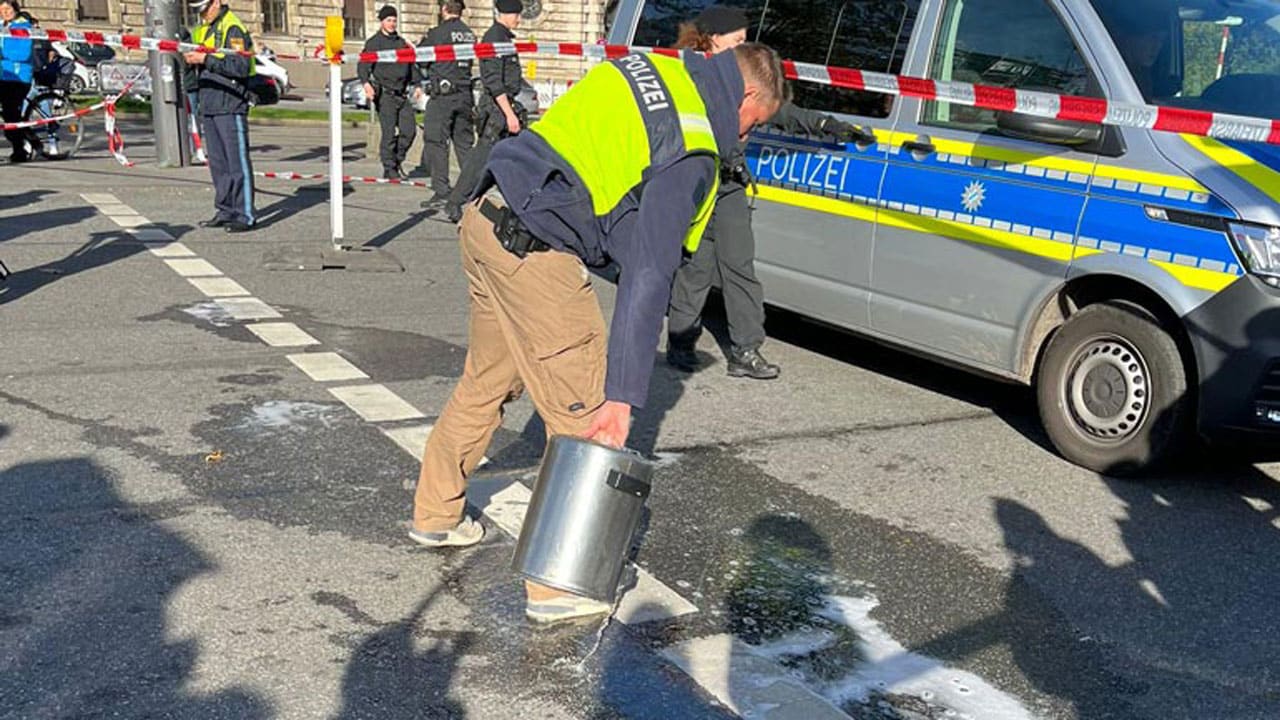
448, 114
499, 114
387, 84
222, 79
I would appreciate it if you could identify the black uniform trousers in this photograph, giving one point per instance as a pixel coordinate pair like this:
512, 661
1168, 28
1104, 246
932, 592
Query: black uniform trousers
448, 118
226, 143
395, 115
491, 126
727, 253
12, 96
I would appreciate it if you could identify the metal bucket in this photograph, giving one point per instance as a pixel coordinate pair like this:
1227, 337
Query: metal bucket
585, 508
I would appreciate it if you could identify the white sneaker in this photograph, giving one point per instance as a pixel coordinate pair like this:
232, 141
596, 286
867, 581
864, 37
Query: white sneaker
467, 532
51, 147
564, 607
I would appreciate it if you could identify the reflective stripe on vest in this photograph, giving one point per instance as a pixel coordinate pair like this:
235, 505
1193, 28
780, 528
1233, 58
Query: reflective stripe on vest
218, 39
656, 118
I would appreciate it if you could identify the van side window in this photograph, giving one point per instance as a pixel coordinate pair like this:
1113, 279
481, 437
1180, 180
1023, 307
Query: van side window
660, 20
1007, 43
861, 34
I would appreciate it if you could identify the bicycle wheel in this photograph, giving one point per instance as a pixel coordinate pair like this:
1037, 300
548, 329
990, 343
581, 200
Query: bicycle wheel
68, 134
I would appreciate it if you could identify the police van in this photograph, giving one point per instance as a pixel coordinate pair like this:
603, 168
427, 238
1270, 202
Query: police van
1131, 276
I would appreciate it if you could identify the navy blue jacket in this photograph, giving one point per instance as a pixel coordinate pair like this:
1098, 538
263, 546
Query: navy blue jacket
223, 82
644, 238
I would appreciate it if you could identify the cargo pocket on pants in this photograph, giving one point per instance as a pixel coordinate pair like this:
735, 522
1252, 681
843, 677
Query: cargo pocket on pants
573, 373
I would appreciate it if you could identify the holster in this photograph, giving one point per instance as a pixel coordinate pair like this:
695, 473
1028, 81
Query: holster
511, 233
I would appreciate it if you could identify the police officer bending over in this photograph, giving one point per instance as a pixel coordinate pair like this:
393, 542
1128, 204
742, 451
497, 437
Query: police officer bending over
386, 84
223, 90
448, 114
587, 184
499, 114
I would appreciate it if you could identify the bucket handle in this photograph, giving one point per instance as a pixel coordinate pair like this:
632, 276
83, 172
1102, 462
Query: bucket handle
628, 484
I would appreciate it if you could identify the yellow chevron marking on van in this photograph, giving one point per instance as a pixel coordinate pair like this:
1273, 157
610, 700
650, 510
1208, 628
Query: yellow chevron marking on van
1198, 278
1252, 171
1018, 157
1062, 252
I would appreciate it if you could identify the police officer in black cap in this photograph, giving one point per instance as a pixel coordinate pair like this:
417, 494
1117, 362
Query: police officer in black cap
448, 114
388, 84
499, 114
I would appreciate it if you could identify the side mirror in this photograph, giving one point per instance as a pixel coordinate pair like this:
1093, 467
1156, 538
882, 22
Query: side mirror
1048, 130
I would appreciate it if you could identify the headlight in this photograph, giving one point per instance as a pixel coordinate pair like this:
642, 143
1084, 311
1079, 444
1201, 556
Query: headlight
1259, 247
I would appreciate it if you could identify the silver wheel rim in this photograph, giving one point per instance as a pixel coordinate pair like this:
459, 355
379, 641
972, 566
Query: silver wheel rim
1107, 389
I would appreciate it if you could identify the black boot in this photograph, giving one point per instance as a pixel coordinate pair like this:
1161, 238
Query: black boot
682, 357
751, 364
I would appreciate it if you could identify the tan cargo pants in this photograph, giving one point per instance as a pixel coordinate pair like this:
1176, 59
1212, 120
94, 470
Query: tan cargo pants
536, 325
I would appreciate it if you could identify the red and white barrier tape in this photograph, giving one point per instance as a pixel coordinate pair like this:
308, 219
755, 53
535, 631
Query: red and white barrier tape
345, 178
26, 124
1223, 126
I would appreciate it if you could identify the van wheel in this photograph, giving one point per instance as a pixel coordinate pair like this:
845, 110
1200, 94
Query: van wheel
1112, 390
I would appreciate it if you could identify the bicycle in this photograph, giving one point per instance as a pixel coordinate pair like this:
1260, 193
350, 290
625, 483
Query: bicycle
57, 140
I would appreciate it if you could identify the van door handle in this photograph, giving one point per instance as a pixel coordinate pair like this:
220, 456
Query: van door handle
920, 147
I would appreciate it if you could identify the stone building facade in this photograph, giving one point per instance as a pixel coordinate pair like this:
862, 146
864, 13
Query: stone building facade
296, 27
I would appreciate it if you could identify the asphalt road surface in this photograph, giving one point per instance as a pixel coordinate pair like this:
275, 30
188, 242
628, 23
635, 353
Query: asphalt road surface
203, 495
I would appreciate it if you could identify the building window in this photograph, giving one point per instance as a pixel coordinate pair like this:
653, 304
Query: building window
92, 10
353, 19
275, 19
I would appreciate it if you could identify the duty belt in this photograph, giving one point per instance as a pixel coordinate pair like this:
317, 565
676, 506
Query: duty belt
511, 233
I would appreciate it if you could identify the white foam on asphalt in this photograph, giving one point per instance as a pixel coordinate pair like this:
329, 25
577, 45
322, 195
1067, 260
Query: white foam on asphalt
212, 313
752, 686
285, 414
889, 668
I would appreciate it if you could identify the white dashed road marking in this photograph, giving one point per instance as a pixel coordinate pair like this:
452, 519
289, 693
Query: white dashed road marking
281, 334
325, 366
193, 267
216, 287
247, 308
171, 250
375, 403
412, 439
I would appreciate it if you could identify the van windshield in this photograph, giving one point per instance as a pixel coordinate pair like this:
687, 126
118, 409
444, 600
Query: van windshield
1215, 55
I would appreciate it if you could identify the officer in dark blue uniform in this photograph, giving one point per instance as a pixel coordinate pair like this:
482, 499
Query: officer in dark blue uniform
223, 80
499, 114
448, 117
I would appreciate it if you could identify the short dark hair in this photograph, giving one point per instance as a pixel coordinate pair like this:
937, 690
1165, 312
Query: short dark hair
453, 7
761, 66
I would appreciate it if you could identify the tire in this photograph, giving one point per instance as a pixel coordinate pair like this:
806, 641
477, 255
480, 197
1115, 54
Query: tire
70, 132
1112, 390
76, 86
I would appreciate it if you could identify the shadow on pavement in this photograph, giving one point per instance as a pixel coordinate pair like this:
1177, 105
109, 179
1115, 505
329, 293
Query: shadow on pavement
85, 580
103, 248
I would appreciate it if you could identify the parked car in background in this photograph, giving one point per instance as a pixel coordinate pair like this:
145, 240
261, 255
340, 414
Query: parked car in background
266, 65
91, 56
